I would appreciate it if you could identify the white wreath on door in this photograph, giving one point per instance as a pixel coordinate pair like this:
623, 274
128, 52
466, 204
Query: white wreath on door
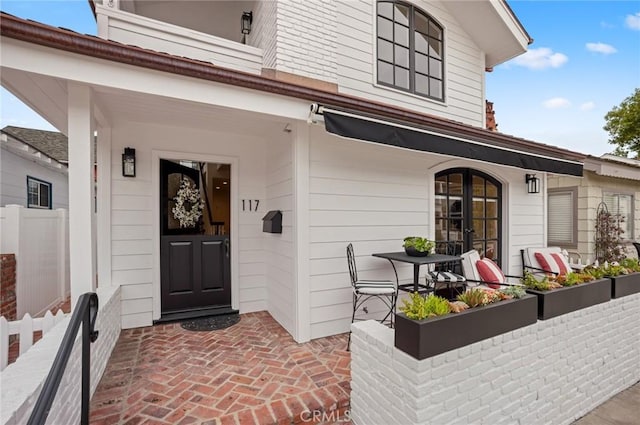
187, 196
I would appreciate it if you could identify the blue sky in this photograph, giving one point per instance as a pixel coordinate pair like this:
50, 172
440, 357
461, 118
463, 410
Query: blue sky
585, 59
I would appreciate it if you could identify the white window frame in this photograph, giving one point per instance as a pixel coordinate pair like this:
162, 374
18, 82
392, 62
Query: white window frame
40, 183
629, 233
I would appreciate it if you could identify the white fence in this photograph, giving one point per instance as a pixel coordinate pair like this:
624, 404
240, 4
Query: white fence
40, 241
25, 328
22, 381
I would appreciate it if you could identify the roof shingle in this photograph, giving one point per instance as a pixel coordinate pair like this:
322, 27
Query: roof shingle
50, 143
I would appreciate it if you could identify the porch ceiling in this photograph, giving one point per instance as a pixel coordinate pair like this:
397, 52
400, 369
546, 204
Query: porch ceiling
48, 97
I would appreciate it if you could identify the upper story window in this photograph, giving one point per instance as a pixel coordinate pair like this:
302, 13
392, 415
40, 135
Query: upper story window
410, 50
38, 193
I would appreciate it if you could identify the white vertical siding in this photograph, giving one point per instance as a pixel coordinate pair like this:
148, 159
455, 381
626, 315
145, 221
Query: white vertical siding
278, 248
373, 196
13, 180
132, 213
464, 63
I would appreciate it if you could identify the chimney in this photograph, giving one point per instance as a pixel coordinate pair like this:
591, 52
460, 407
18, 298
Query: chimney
490, 116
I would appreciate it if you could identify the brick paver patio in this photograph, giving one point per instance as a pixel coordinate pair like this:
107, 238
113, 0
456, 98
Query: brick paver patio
252, 372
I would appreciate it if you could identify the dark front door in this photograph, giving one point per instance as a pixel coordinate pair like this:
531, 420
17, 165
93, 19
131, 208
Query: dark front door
468, 205
195, 268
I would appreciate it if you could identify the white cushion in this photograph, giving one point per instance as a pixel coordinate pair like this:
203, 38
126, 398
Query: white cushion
375, 287
446, 277
529, 256
469, 266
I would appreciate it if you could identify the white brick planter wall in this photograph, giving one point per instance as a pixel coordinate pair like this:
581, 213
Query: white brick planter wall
23, 380
552, 372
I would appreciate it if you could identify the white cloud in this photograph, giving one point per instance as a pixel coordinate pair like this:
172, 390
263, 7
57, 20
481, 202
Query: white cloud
633, 21
541, 58
587, 106
605, 49
605, 24
556, 103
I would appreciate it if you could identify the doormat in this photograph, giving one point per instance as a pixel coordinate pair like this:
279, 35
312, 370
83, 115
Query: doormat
211, 323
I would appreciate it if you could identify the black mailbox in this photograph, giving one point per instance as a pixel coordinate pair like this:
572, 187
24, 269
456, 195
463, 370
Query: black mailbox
272, 222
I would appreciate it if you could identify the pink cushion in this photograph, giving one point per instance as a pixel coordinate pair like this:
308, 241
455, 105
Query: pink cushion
553, 262
563, 266
547, 263
490, 272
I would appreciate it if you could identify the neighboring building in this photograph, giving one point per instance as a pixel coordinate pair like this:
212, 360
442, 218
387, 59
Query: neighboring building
395, 145
33, 168
573, 203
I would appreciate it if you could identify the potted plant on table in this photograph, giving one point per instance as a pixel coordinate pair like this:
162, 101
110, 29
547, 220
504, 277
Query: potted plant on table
416, 246
558, 295
427, 326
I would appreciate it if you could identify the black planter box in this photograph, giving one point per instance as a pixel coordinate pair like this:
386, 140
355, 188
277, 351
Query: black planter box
425, 338
624, 285
557, 302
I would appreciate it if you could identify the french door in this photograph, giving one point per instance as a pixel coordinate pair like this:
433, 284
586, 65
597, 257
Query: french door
468, 210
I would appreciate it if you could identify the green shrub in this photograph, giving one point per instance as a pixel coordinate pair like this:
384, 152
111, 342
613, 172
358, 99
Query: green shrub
474, 297
514, 291
531, 282
632, 264
418, 307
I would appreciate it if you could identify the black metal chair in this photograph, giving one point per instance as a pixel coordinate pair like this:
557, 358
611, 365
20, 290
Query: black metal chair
446, 279
364, 290
637, 246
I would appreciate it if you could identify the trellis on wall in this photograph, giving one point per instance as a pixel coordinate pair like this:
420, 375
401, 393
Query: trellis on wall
608, 237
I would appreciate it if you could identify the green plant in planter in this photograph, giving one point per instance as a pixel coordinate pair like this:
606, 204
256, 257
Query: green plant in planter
632, 264
569, 279
615, 270
418, 243
531, 282
474, 297
596, 272
514, 291
611, 270
418, 307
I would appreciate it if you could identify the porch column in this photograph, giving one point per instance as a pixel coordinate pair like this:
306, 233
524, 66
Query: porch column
301, 236
82, 262
103, 178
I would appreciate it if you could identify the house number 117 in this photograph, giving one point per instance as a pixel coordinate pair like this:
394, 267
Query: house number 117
250, 204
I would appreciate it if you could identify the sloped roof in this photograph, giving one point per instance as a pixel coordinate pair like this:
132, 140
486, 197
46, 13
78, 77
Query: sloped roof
51, 143
614, 166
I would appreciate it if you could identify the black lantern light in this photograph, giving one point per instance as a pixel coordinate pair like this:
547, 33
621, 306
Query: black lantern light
129, 162
533, 183
245, 21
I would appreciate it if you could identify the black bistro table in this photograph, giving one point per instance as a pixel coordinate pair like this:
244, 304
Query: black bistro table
402, 257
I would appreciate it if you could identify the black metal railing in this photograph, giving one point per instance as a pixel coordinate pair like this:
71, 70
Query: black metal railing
85, 313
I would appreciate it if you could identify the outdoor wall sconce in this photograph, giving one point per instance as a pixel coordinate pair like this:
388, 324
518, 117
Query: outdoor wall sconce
533, 183
245, 21
129, 162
